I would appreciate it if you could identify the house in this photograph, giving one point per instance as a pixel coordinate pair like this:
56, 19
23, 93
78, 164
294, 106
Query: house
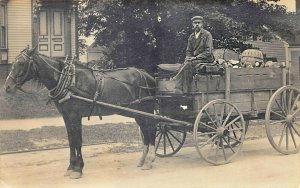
274, 49
48, 24
95, 52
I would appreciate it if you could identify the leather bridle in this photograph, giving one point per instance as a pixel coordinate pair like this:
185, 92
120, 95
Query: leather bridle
19, 80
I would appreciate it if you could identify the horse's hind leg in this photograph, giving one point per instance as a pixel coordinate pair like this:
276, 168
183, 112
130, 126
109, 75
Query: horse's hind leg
151, 151
146, 140
74, 129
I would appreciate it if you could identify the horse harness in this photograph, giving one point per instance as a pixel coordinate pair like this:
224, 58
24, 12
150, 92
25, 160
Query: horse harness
101, 75
66, 85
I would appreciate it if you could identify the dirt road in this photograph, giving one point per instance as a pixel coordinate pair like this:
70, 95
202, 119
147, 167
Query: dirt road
257, 165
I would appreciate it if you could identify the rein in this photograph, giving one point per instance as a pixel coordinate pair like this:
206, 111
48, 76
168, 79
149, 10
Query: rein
127, 83
55, 69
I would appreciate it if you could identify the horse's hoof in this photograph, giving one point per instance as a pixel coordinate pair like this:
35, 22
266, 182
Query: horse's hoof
141, 163
75, 175
147, 166
68, 173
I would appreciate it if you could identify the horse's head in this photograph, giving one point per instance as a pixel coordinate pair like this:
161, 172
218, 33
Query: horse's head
22, 70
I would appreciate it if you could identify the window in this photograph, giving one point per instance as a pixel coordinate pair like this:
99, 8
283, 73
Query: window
3, 27
3, 33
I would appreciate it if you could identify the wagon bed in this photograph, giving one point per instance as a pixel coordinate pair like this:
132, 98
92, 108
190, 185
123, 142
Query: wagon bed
248, 89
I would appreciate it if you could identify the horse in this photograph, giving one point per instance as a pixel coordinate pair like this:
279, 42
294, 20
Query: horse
122, 87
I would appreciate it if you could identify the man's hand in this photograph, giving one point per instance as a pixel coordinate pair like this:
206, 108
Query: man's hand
190, 58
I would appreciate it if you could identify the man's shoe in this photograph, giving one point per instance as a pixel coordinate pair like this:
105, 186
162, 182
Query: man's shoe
178, 91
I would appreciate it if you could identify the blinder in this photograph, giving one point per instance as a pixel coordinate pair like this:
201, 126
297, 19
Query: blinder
19, 80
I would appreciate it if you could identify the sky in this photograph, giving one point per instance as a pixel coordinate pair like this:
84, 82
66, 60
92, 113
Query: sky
290, 4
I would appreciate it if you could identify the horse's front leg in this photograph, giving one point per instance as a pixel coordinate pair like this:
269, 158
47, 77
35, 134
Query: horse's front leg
149, 132
74, 129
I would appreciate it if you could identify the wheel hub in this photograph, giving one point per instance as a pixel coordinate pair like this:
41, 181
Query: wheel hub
221, 131
289, 118
163, 128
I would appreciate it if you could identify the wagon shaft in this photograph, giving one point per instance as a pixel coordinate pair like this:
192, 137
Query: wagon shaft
133, 111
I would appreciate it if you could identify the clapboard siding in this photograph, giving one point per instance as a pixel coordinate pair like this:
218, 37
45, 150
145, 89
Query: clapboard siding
274, 48
19, 26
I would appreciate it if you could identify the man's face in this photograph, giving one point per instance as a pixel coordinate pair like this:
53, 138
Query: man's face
197, 25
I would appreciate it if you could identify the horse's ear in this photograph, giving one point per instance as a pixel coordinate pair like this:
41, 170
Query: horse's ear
32, 51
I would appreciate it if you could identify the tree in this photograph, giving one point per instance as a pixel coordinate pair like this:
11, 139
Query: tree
145, 33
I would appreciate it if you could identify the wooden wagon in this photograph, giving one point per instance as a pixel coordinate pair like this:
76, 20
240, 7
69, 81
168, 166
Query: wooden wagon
218, 109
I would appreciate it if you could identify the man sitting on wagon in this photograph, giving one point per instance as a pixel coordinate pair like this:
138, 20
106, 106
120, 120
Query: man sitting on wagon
198, 51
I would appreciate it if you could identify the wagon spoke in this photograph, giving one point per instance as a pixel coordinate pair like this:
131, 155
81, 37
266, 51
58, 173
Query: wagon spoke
282, 135
223, 149
237, 125
295, 102
295, 131
158, 133
174, 137
293, 138
158, 142
276, 113
235, 139
227, 117
290, 100
215, 110
231, 130
170, 142
275, 122
281, 108
296, 112
229, 145
222, 112
210, 118
234, 120
212, 145
297, 123
209, 140
217, 148
207, 133
283, 99
208, 126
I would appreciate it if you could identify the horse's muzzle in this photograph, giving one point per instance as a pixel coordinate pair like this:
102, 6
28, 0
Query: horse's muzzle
9, 86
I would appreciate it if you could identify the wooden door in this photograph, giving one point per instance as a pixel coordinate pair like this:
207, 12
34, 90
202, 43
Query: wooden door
51, 36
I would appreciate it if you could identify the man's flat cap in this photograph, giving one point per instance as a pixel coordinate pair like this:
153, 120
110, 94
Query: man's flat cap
197, 18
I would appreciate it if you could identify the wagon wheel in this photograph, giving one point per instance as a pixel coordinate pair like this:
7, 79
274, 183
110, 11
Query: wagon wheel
283, 120
219, 132
169, 140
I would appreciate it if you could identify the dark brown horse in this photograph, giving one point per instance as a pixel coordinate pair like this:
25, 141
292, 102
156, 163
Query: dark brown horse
123, 87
